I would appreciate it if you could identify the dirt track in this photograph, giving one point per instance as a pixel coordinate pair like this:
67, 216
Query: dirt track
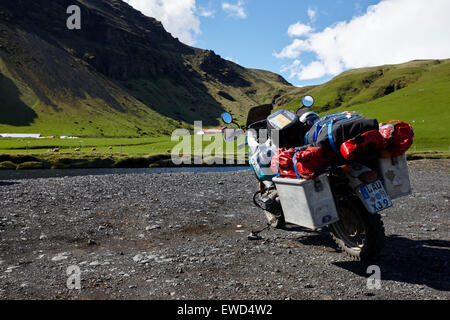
184, 236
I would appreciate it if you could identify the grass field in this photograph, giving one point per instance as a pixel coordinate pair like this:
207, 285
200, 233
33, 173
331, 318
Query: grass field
416, 92
132, 146
117, 152
102, 145
128, 153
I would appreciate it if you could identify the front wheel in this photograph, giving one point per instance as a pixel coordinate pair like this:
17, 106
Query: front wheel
358, 233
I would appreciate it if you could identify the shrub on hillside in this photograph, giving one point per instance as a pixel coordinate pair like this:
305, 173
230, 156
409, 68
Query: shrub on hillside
30, 165
7, 165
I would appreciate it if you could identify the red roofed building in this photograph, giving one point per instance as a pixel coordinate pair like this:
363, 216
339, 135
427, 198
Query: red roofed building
211, 131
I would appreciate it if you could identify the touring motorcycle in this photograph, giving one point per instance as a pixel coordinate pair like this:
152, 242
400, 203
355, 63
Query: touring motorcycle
344, 194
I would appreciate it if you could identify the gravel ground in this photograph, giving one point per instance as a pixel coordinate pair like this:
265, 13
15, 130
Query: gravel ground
184, 236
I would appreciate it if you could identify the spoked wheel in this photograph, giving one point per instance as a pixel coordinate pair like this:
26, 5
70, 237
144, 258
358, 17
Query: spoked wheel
358, 233
275, 220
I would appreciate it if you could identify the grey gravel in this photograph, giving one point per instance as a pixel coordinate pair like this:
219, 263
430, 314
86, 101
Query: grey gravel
106, 225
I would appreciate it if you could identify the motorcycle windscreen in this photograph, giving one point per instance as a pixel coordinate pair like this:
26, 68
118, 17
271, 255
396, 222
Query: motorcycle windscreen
258, 113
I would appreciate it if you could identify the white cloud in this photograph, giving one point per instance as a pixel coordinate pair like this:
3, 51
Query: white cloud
203, 12
235, 10
293, 50
312, 14
299, 29
293, 68
177, 16
393, 31
314, 70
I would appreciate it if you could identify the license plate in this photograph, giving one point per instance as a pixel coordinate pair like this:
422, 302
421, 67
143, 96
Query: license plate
375, 197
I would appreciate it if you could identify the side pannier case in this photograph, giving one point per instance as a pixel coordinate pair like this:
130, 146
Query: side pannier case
307, 203
395, 175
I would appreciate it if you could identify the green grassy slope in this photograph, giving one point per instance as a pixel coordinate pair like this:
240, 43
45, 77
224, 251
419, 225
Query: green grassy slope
121, 75
151, 107
417, 92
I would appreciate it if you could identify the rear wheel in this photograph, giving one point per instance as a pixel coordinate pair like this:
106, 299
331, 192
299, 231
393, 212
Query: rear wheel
358, 233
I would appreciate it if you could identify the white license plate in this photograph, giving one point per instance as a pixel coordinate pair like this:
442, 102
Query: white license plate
375, 197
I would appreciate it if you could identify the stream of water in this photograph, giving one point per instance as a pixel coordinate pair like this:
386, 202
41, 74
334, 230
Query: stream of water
34, 174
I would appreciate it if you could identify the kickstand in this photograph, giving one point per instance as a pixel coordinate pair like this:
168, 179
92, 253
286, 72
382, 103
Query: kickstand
254, 235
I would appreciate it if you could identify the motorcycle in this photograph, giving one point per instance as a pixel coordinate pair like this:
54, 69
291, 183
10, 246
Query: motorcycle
347, 197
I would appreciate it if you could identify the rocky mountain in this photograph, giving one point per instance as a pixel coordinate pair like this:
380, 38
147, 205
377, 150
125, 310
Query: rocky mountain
121, 74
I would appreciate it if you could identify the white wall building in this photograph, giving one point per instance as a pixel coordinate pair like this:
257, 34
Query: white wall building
20, 135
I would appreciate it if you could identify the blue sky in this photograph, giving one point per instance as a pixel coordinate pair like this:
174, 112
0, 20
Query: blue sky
253, 40
309, 42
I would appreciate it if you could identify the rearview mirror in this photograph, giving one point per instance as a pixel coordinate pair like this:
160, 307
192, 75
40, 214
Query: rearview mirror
227, 117
307, 101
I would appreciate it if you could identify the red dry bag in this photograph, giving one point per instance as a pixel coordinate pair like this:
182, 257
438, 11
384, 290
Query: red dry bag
367, 142
308, 162
402, 138
282, 165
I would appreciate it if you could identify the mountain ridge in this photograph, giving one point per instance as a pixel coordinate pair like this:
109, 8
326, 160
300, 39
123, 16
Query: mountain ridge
122, 71
123, 75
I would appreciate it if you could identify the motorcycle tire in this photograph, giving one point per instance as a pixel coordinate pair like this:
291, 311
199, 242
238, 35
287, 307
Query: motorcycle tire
358, 233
